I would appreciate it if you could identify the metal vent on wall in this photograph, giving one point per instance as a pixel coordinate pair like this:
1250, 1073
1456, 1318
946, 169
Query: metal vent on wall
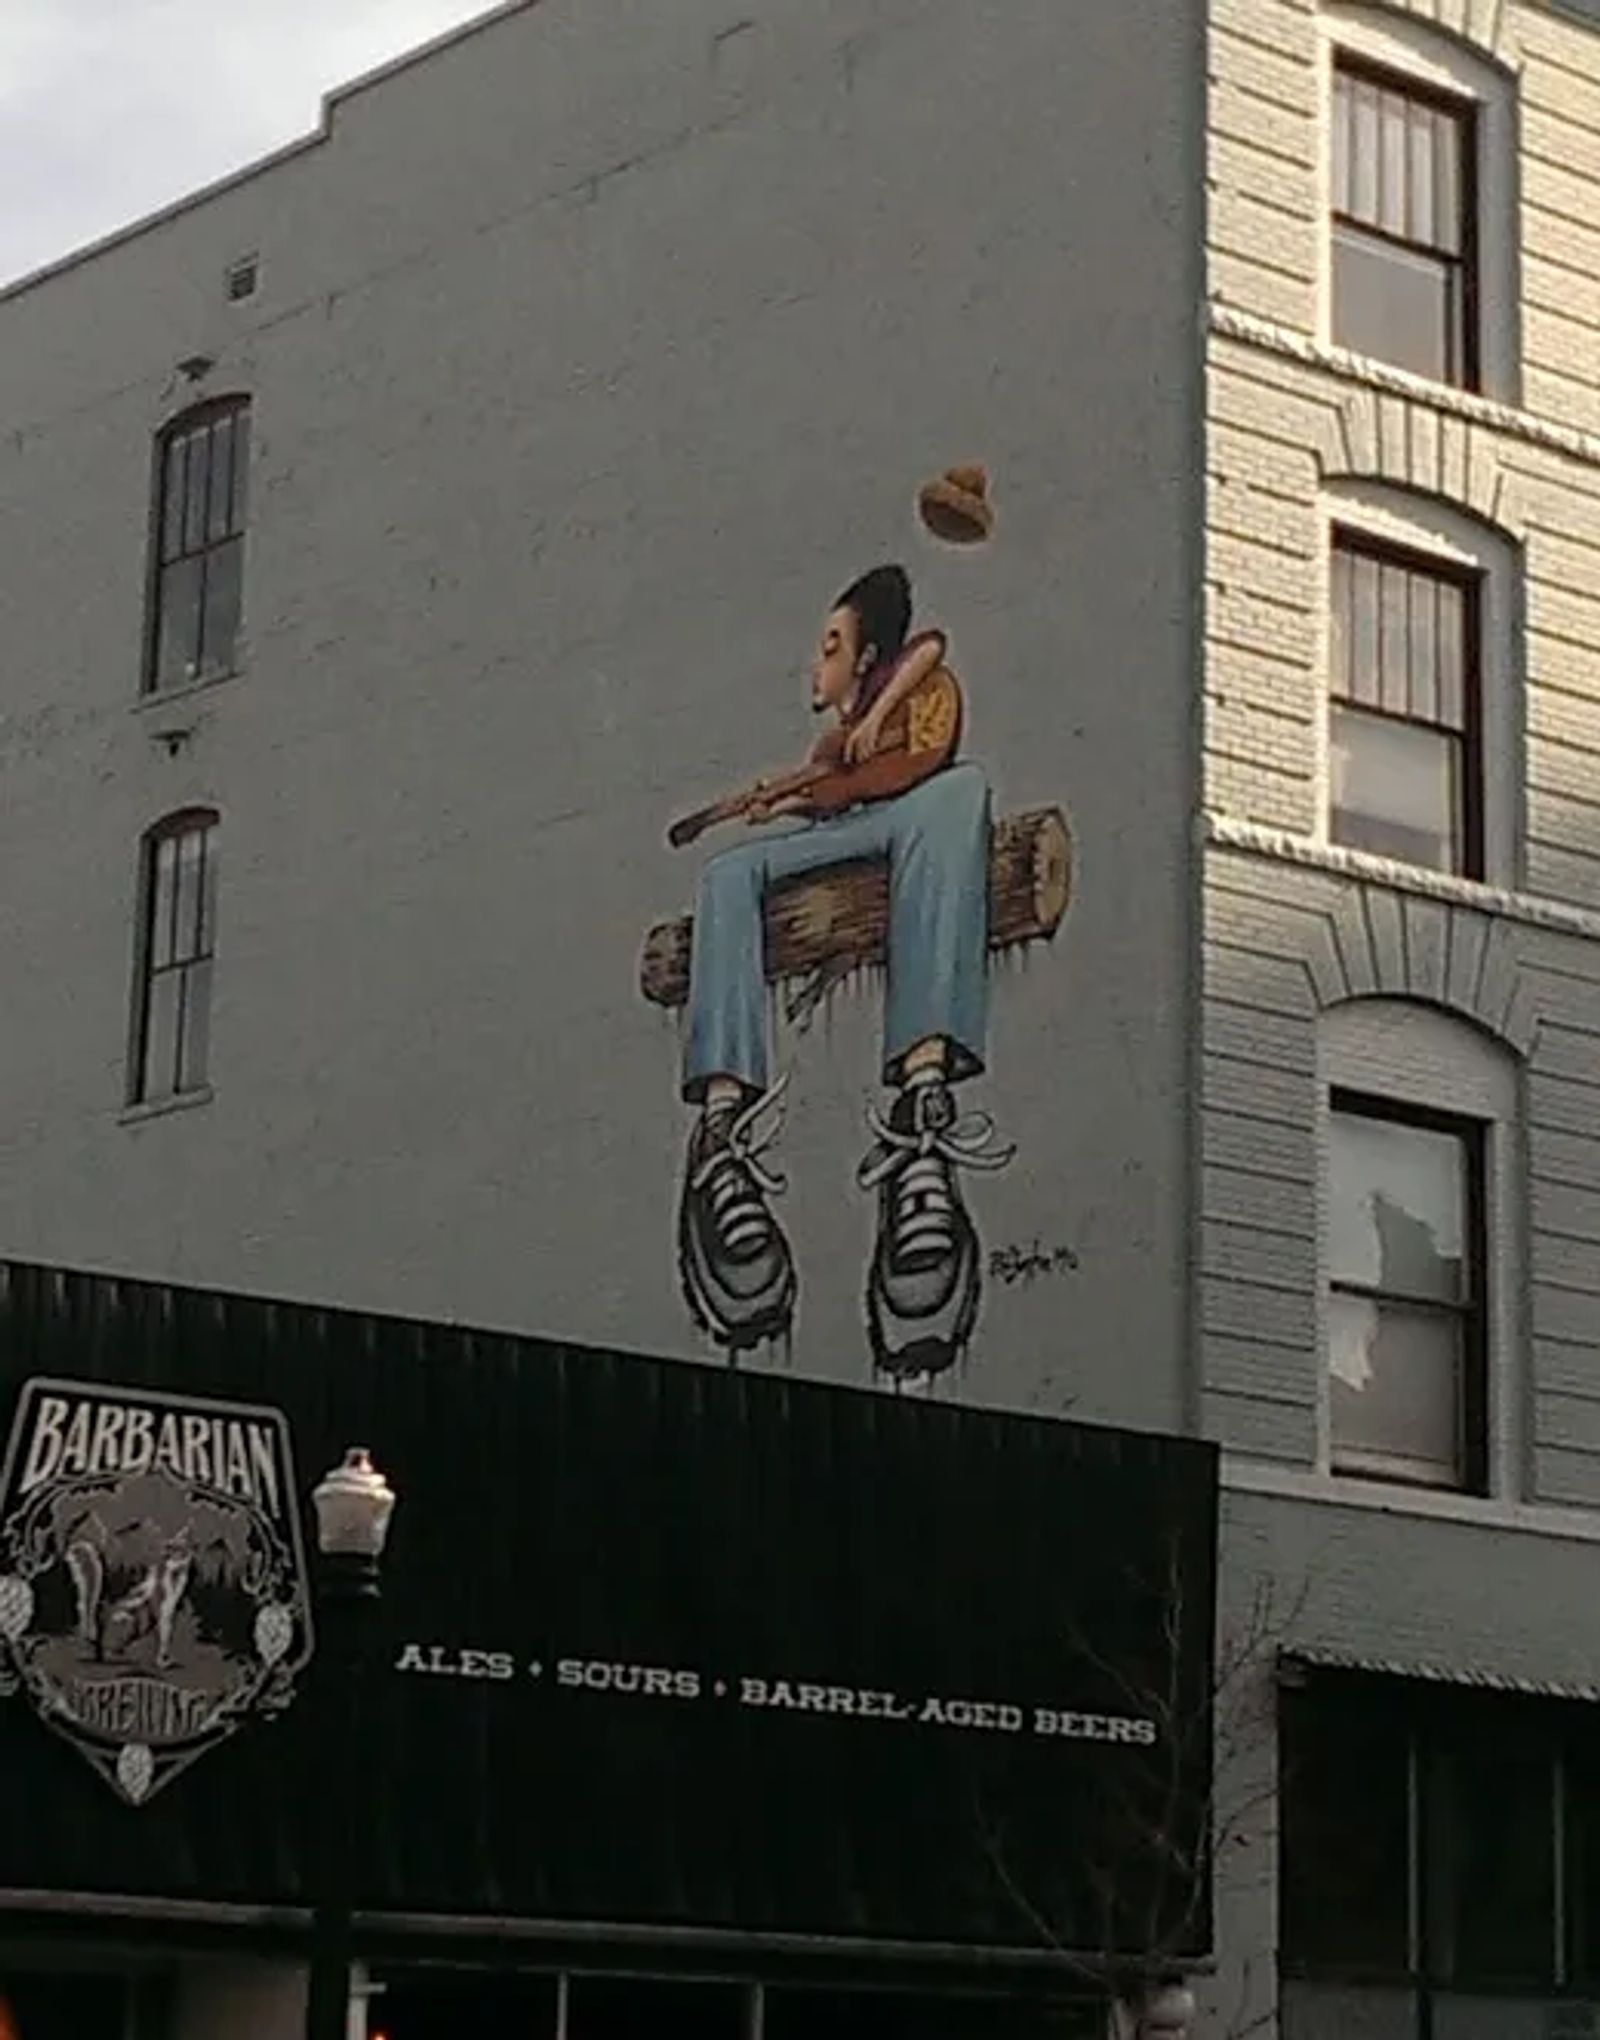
243, 277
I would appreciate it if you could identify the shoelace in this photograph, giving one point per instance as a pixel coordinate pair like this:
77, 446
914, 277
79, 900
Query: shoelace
734, 1177
924, 1221
921, 1157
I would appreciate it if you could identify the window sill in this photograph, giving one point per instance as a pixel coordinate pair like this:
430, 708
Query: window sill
158, 1108
166, 697
1230, 323
1340, 1976
1245, 1475
1288, 847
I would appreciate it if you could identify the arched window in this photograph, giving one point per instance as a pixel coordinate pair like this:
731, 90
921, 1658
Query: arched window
197, 557
1423, 735
1419, 1234
1422, 255
176, 944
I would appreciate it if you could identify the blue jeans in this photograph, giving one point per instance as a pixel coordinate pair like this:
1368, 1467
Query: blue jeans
936, 840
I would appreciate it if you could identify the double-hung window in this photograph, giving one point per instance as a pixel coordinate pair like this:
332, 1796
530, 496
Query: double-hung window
197, 565
1405, 261
1404, 745
1407, 1323
177, 941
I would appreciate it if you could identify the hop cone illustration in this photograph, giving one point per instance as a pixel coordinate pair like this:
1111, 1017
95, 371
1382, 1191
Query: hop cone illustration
274, 1632
135, 1769
16, 1606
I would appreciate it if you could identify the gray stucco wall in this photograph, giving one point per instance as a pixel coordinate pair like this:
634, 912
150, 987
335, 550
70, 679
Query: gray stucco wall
591, 357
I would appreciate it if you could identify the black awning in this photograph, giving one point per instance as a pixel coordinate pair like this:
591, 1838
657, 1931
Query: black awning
662, 1646
1431, 1672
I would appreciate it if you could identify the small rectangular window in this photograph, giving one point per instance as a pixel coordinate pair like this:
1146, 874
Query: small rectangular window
1406, 1317
197, 564
1404, 231
454, 2004
172, 1030
1404, 751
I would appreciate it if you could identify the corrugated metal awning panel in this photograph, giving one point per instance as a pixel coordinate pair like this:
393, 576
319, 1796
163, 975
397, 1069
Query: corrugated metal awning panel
1431, 1672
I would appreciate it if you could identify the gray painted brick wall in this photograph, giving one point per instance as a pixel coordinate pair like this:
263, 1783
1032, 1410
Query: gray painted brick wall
591, 357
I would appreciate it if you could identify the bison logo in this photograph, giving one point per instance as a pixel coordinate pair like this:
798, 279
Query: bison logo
152, 1581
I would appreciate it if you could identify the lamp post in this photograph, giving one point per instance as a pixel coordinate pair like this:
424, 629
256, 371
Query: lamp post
353, 1503
1160, 2009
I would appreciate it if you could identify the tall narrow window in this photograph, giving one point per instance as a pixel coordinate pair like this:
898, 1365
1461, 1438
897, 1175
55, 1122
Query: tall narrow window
1406, 1317
1404, 715
1345, 1898
1491, 1842
198, 562
172, 1033
1404, 224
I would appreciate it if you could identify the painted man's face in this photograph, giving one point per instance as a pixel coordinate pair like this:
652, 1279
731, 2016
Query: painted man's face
833, 673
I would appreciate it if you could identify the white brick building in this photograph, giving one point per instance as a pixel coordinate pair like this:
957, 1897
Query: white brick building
1402, 872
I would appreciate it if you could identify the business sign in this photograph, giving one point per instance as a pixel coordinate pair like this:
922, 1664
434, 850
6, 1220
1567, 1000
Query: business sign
152, 1585
662, 1648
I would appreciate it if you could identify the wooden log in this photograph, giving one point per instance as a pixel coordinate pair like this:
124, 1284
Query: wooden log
838, 918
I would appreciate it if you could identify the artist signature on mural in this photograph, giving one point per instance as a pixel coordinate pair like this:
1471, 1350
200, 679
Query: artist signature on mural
1030, 1263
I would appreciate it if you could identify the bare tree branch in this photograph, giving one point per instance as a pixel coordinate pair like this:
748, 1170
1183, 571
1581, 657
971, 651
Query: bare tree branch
1164, 1837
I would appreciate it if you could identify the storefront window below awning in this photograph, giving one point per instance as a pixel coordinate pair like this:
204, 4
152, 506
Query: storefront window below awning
63, 2007
445, 2005
624, 2007
434, 2004
812, 2014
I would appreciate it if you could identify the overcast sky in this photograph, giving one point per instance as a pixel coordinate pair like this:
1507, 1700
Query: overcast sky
111, 108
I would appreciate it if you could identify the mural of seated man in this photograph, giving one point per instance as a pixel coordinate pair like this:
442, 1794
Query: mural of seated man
881, 783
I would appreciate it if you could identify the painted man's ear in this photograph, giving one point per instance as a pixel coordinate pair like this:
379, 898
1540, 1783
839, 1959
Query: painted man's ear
867, 660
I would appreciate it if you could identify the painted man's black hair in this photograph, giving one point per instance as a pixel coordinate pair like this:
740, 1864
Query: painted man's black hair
881, 603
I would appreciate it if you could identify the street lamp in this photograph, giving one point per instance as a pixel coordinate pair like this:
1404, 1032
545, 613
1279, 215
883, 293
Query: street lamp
1153, 2010
353, 1503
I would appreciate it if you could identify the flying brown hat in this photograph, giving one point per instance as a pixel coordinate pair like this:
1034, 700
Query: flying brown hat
956, 507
